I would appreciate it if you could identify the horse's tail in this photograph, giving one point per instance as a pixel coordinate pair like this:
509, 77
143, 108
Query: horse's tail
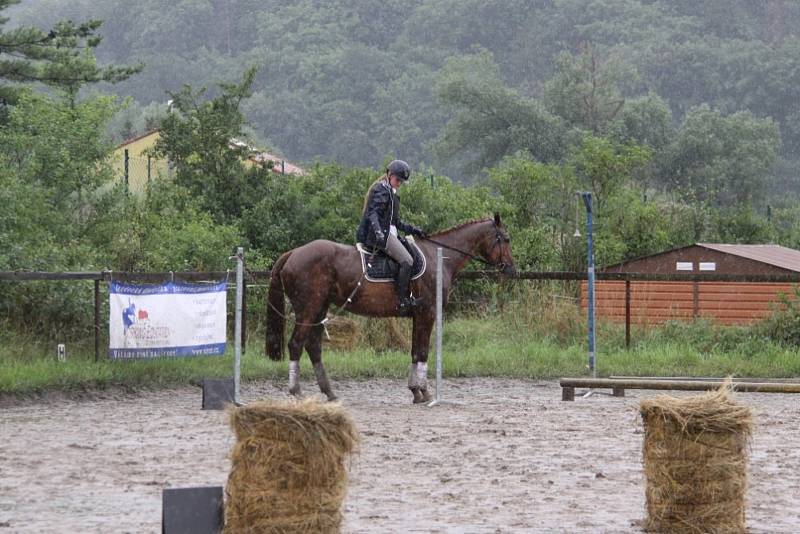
276, 311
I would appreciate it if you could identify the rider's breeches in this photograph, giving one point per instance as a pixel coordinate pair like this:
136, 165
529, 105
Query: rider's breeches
397, 251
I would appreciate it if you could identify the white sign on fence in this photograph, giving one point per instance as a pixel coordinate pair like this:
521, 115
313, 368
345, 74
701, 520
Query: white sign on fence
172, 319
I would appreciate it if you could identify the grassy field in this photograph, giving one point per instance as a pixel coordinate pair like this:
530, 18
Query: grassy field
507, 344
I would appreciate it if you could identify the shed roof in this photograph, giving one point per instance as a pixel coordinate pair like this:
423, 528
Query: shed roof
775, 255
784, 257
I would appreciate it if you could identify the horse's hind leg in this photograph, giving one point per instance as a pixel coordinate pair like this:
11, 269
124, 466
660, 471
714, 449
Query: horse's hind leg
314, 349
298, 339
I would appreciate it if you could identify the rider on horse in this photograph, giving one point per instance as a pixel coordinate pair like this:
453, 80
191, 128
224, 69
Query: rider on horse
380, 222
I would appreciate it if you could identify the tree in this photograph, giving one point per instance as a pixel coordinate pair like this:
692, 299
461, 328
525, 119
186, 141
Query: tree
59, 147
605, 167
724, 161
646, 121
198, 138
61, 57
491, 120
585, 90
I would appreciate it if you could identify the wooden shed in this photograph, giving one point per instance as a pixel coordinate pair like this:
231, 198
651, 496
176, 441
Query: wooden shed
723, 302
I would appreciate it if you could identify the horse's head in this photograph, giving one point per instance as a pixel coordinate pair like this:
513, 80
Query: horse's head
496, 248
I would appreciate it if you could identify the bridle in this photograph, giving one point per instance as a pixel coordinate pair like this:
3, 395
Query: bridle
498, 239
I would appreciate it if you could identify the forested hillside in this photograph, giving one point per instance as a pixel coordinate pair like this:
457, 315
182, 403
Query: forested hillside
355, 81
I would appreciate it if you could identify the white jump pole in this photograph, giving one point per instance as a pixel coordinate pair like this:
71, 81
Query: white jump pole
237, 343
438, 396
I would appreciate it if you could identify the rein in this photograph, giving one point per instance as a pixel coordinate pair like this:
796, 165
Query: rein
497, 241
454, 249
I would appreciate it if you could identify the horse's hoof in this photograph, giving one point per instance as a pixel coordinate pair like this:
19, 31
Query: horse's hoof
418, 399
332, 398
426, 397
295, 392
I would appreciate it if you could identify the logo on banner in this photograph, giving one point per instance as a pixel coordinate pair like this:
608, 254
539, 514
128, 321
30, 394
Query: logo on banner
136, 325
130, 316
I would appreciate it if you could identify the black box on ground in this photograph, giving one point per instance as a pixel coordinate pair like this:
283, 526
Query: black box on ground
192, 510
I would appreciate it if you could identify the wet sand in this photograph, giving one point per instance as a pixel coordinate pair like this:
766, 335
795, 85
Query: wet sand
504, 456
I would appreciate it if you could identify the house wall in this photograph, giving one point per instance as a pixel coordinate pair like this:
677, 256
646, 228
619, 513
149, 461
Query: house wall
138, 162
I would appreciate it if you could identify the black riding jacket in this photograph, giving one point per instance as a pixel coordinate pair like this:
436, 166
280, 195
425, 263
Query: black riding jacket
382, 209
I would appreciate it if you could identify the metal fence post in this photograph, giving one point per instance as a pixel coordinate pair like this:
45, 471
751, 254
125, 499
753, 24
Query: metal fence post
127, 162
238, 328
627, 313
587, 200
438, 397
97, 319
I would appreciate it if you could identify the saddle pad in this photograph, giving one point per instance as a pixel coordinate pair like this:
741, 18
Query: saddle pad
381, 268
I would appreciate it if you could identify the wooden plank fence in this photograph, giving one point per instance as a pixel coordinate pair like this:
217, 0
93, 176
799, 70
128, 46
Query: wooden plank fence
627, 279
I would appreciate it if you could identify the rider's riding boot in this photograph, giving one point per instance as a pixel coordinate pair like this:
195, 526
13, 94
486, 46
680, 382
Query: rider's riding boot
403, 280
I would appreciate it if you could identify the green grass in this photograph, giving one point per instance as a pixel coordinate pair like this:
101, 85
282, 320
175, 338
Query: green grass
497, 346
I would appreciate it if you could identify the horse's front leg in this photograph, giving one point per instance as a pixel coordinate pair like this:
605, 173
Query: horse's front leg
418, 372
314, 349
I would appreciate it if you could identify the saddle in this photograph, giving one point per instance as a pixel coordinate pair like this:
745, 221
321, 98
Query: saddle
379, 267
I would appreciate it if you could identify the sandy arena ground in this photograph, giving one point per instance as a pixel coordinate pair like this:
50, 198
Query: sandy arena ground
510, 456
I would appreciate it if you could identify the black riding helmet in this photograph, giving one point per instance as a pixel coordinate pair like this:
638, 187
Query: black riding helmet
400, 169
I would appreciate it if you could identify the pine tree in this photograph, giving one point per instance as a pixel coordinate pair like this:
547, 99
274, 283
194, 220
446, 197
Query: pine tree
61, 57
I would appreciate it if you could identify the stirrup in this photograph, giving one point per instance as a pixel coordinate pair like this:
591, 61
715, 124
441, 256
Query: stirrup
407, 305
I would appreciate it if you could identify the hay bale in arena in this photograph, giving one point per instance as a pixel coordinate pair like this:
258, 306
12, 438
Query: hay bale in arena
343, 333
288, 469
382, 334
695, 462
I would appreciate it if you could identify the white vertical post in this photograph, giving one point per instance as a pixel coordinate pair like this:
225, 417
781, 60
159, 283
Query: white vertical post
237, 336
438, 397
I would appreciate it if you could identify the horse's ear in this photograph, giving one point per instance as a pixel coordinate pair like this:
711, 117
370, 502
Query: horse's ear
497, 218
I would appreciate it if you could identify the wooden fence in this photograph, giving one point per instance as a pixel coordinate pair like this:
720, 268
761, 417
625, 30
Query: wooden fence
616, 294
728, 303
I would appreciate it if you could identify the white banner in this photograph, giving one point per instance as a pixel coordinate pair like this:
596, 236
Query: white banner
172, 319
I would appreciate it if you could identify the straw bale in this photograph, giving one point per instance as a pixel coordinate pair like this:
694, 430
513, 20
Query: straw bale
343, 333
289, 470
695, 462
384, 334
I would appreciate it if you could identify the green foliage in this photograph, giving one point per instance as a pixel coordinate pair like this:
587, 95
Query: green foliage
585, 91
742, 225
630, 227
646, 121
61, 57
199, 139
605, 167
722, 160
492, 118
167, 230
540, 211
58, 145
783, 326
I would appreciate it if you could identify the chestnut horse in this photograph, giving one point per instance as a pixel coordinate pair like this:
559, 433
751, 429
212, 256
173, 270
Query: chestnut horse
321, 273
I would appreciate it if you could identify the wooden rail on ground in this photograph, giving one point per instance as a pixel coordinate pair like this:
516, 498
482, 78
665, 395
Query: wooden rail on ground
618, 386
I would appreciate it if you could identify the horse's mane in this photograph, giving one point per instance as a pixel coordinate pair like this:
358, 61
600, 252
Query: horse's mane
459, 226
